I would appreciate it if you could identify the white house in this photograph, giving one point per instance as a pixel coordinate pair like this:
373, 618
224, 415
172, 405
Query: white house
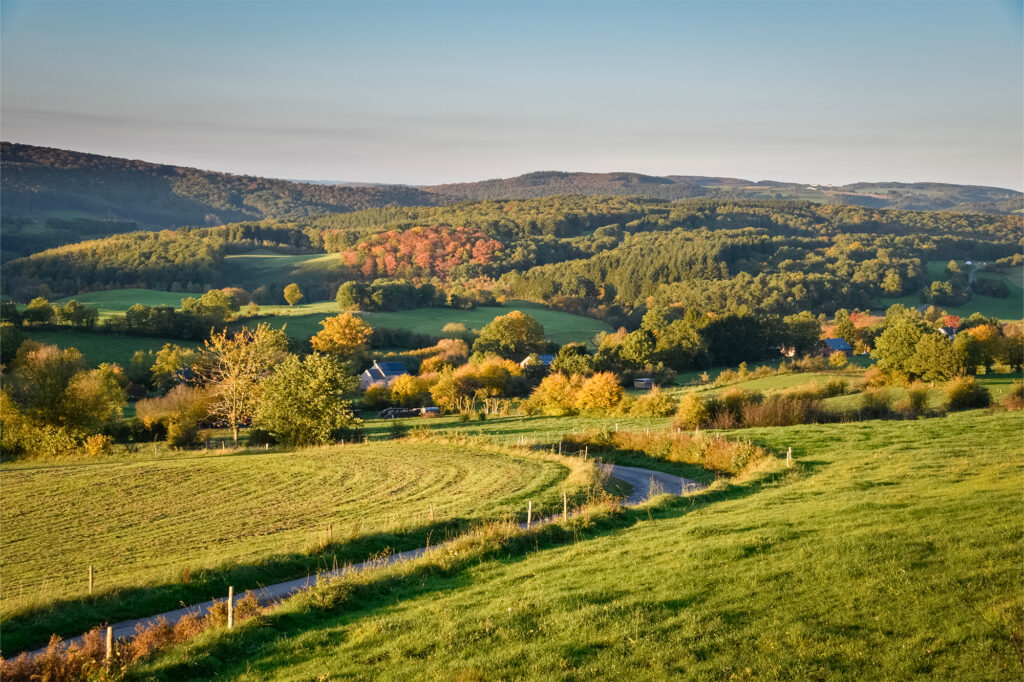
381, 373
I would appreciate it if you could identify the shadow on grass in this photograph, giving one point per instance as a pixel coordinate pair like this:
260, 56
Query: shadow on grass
267, 645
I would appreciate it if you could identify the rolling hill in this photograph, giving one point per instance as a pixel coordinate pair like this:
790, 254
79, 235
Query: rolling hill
53, 196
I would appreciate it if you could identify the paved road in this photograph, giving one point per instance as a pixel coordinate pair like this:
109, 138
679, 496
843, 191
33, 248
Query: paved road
640, 479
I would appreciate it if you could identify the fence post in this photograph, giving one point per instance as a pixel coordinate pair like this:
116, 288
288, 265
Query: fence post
565, 506
789, 458
90, 579
586, 451
110, 644
231, 607
529, 514
559, 446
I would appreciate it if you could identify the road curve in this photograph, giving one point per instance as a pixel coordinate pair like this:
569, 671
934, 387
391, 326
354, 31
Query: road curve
641, 480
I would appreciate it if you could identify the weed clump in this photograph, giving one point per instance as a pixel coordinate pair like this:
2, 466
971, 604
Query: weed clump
964, 393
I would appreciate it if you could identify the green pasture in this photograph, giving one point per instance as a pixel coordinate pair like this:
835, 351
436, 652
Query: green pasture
890, 551
1010, 308
99, 348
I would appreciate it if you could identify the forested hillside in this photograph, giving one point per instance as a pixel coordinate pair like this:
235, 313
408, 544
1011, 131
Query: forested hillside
922, 196
52, 196
608, 257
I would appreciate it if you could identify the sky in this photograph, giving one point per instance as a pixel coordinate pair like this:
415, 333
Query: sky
429, 92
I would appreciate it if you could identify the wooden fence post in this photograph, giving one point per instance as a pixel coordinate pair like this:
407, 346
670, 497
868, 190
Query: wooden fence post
529, 514
565, 506
231, 607
789, 458
90, 580
110, 643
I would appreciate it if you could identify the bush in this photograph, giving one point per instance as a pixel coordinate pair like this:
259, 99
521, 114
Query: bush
377, 396
875, 403
693, 412
656, 403
917, 399
183, 434
965, 393
838, 360
260, 437
733, 400
97, 444
600, 392
781, 410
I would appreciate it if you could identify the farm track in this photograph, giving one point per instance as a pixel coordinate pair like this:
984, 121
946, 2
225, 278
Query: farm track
642, 481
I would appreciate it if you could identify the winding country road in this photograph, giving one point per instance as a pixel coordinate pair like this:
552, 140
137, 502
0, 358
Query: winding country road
641, 480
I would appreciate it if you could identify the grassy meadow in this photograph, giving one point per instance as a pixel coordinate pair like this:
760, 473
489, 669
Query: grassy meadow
890, 551
1006, 309
99, 348
162, 530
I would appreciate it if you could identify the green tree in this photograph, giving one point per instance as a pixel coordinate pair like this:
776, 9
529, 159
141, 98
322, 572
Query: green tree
895, 347
892, 284
40, 311
233, 365
293, 294
845, 328
936, 358
173, 365
573, 359
637, 348
10, 338
39, 378
680, 346
514, 336
301, 402
94, 399
802, 331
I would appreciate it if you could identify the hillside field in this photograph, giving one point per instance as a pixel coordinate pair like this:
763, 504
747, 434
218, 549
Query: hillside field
182, 527
891, 551
99, 348
1010, 308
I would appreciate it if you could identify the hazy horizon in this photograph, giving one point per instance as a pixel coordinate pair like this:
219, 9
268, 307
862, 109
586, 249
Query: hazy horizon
420, 94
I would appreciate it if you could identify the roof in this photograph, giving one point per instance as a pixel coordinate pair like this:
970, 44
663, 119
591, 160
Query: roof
947, 331
838, 344
545, 360
390, 368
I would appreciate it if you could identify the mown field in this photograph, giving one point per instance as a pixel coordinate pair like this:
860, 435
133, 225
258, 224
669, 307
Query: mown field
891, 551
161, 530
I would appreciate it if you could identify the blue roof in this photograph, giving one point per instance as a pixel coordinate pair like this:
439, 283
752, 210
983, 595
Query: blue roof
391, 367
838, 344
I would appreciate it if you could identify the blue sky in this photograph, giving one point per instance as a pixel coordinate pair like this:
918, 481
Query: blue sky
424, 92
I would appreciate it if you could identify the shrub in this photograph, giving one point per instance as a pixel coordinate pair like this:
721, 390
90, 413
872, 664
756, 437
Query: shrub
965, 393
838, 360
875, 377
554, 396
734, 399
917, 399
599, 392
183, 434
656, 403
782, 410
692, 413
261, 437
875, 403
97, 444
377, 396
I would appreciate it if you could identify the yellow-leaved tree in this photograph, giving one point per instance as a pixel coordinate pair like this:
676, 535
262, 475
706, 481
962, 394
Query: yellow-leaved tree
344, 335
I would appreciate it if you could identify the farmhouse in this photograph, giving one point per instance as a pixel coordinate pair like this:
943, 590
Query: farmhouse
381, 373
830, 346
948, 332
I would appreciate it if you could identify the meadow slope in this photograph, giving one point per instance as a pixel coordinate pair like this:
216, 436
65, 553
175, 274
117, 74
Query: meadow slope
892, 550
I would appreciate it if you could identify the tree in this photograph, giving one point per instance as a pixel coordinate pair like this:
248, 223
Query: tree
599, 392
893, 283
351, 295
94, 399
802, 332
40, 375
573, 359
10, 338
233, 365
895, 347
838, 360
1012, 351
515, 336
39, 311
555, 395
301, 401
637, 348
680, 346
180, 411
344, 335
936, 358
845, 328
173, 365
293, 294
410, 391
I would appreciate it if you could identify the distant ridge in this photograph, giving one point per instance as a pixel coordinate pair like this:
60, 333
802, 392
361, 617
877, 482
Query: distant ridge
50, 197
